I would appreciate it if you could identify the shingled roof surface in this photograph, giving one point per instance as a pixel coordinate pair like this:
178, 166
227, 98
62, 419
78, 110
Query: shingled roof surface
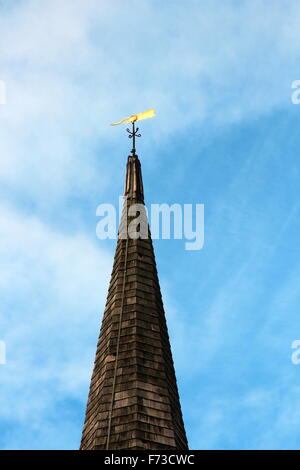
133, 400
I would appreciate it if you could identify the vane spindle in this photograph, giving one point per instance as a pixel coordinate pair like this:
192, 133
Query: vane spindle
132, 135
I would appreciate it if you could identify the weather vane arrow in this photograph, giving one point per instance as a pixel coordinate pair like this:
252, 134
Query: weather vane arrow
133, 118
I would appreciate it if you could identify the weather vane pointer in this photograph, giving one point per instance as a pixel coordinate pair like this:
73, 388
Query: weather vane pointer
132, 119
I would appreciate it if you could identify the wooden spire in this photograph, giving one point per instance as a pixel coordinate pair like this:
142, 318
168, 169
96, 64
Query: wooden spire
133, 400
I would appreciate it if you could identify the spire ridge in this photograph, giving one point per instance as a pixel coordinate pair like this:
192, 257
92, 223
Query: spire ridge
134, 189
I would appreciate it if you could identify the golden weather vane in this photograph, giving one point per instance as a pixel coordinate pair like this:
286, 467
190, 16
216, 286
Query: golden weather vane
133, 118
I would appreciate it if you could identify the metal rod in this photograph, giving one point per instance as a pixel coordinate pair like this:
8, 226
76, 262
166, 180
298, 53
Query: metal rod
117, 348
132, 135
133, 139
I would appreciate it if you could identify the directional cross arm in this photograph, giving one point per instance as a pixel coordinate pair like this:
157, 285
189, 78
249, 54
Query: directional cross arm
132, 135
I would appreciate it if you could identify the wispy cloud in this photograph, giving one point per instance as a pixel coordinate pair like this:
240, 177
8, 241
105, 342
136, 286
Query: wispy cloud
70, 69
52, 289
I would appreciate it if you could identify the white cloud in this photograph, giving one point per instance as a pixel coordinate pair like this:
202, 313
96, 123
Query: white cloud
52, 290
71, 68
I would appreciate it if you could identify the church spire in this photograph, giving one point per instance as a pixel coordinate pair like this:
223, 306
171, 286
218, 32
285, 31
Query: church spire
133, 401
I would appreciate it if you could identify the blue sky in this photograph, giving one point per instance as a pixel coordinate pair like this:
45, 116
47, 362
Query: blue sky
226, 135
